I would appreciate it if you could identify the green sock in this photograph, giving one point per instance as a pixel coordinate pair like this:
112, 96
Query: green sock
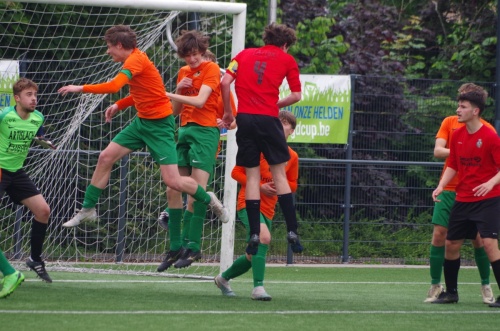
483, 265
174, 228
201, 196
92, 195
5, 266
259, 265
196, 226
238, 268
436, 262
186, 222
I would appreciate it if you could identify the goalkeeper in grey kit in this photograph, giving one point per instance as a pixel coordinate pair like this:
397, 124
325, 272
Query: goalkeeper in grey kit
19, 126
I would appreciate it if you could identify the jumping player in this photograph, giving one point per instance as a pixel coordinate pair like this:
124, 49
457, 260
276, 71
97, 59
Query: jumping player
258, 74
153, 127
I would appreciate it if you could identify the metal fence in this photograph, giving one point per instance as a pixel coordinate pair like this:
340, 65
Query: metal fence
370, 200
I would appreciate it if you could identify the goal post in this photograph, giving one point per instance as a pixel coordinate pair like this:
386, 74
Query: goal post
59, 42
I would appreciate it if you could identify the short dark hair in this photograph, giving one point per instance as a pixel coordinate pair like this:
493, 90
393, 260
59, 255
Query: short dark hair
190, 41
475, 98
288, 117
23, 84
122, 34
279, 35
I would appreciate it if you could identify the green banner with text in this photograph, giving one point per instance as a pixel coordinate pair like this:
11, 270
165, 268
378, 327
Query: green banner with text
324, 111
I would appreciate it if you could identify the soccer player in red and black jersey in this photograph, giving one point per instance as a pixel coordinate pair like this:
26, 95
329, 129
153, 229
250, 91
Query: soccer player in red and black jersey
258, 73
475, 156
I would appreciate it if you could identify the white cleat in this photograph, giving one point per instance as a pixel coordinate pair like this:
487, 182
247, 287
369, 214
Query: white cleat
85, 214
223, 285
218, 208
487, 294
259, 293
434, 292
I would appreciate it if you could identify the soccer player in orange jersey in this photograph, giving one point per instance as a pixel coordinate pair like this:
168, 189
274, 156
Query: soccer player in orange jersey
153, 127
269, 198
196, 101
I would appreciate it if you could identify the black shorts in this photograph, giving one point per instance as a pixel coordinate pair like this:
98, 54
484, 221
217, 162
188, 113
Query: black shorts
260, 134
469, 218
17, 185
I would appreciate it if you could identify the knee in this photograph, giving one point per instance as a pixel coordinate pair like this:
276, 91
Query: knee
43, 214
105, 158
265, 238
490, 245
439, 236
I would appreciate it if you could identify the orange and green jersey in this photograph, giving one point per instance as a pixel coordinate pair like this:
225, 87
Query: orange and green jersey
16, 135
449, 125
267, 203
207, 73
147, 91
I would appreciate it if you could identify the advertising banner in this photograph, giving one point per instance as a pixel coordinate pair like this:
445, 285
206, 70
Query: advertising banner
323, 113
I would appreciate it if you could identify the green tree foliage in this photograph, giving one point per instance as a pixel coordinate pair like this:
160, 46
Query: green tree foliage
447, 39
316, 50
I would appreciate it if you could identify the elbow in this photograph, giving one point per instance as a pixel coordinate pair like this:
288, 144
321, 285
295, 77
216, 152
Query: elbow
297, 96
199, 104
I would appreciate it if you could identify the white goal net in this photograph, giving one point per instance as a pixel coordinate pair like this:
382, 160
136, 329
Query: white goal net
56, 43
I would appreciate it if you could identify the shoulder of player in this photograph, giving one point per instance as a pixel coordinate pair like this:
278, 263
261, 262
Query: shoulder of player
5, 111
39, 114
137, 56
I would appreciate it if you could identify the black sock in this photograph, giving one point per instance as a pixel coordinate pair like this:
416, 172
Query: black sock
451, 268
288, 209
38, 231
253, 212
495, 265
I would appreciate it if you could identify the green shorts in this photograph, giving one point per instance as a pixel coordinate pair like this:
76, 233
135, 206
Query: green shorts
441, 213
242, 215
197, 147
157, 135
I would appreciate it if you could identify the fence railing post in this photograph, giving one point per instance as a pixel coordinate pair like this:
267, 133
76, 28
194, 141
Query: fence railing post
348, 173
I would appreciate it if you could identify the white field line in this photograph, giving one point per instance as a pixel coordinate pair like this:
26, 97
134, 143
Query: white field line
175, 281
229, 312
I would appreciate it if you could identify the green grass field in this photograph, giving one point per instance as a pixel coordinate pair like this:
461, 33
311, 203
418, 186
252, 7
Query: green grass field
304, 298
